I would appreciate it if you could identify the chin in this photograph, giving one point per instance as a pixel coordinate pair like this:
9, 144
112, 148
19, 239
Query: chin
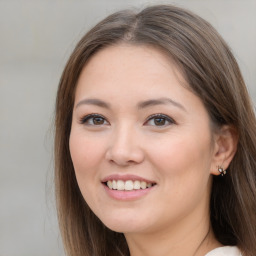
124, 228
125, 224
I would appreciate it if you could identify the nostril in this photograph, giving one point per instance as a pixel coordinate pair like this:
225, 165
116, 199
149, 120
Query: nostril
123, 157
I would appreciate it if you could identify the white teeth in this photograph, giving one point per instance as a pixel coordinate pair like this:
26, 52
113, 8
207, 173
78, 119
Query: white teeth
120, 185
143, 184
110, 185
149, 185
136, 184
128, 185
114, 184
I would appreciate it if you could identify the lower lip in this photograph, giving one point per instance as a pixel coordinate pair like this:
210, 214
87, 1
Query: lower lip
126, 195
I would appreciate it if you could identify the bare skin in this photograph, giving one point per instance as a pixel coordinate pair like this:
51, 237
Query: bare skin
134, 120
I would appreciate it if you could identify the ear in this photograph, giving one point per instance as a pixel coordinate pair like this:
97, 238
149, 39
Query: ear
225, 146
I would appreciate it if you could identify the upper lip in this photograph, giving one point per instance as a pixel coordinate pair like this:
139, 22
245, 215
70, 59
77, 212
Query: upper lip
126, 177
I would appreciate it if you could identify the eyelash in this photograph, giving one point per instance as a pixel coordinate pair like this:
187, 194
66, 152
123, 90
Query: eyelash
161, 116
165, 118
86, 119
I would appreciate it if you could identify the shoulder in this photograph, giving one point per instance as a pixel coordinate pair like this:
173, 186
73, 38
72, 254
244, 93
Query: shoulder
225, 251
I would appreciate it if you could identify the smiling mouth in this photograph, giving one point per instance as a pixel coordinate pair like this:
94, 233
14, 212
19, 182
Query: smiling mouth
128, 185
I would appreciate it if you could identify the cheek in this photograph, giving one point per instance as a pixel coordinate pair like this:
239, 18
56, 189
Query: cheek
183, 167
85, 152
183, 155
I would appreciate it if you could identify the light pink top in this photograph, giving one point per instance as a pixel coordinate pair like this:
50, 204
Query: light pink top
225, 251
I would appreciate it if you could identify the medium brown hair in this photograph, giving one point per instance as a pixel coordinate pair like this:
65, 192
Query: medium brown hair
213, 74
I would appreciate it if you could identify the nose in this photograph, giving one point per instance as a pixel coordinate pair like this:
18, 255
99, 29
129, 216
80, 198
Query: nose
125, 147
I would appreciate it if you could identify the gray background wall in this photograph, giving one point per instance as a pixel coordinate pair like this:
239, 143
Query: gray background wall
36, 38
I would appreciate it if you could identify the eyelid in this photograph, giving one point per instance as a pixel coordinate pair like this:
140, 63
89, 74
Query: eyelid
84, 119
159, 115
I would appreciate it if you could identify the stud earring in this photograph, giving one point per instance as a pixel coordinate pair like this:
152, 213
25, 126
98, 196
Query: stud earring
222, 171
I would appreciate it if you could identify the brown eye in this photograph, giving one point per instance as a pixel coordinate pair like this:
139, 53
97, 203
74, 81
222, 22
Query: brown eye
94, 119
98, 120
160, 120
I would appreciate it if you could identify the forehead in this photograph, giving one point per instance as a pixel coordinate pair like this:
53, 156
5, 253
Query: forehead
124, 65
140, 51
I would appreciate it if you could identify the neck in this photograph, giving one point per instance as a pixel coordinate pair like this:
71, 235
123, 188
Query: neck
194, 238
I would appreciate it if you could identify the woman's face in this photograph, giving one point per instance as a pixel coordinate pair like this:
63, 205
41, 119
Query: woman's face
140, 142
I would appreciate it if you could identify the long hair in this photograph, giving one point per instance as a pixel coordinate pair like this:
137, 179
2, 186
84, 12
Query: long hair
213, 74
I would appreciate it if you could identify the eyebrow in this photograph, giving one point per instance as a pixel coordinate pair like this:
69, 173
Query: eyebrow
96, 102
141, 105
160, 101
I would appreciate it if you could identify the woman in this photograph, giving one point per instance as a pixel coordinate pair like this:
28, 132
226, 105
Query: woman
155, 141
